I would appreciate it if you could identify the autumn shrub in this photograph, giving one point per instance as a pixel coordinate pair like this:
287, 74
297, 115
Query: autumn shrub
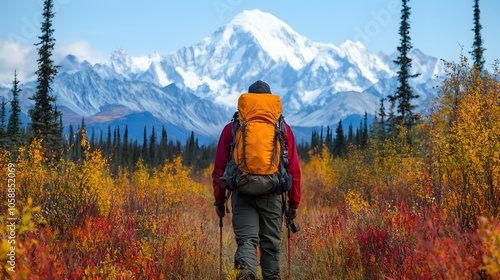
447, 252
317, 178
163, 188
67, 191
180, 244
396, 169
336, 243
489, 234
32, 171
464, 151
17, 229
324, 247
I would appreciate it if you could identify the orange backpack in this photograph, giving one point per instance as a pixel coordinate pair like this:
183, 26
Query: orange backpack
259, 157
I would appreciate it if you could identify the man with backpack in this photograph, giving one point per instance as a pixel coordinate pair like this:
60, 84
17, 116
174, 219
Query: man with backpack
258, 165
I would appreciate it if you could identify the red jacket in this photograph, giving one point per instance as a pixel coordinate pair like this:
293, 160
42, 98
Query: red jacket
224, 149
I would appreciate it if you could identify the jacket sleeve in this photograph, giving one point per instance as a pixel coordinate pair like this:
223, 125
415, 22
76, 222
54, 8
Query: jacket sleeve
221, 157
293, 169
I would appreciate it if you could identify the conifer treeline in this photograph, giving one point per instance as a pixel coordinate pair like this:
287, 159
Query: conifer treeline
339, 144
124, 152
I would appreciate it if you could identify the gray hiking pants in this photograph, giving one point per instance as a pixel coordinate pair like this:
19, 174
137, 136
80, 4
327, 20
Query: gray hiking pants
257, 220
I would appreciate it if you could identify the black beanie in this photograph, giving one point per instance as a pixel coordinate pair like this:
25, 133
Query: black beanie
259, 87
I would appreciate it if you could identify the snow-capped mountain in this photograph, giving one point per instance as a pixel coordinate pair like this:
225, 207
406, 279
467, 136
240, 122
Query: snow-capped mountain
196, 88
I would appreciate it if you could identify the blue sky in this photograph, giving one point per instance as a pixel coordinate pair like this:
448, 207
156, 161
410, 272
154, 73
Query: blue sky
94, 28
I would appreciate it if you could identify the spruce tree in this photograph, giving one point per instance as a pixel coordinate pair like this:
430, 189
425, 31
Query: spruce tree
360, 133
3, 133
101, 142
177, 148
329, 138
144, 152
314, 140
45, 118
14, 130
189, 150
163, 149
82, 142
77, 145
116, 150
392, 122
364, 135
321, 139
350, 134
118, 138
357, 137
125, 152
339, 144
402, 99
152, 147
114, 140
71, 142
382, 124
477, 47
108, 149
92, 140
135, 150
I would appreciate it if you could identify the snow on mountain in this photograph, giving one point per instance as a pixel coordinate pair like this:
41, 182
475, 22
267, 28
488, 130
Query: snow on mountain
275, 37
371, 66
197, 87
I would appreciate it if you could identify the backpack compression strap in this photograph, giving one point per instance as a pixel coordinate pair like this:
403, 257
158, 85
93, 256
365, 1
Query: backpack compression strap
285, 178
231, 159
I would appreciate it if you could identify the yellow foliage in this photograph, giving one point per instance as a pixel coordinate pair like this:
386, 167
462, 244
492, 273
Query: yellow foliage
121, 186
355, 201
385, 171
319, 167
141, 179
169, 185
31, 172
67, 190
490, 237
463, 138
13, 242
96, 175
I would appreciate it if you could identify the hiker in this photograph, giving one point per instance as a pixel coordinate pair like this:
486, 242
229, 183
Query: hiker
257, 218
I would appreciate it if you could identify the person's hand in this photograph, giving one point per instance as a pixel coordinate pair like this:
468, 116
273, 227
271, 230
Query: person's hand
290, 213
220, 210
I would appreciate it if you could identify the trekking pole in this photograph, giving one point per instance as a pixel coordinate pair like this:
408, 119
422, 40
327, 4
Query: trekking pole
291, 228
288, 246
220, 249
285, 209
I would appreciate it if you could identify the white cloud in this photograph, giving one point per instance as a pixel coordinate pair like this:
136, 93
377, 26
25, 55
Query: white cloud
81, 49
22, 58
16, 57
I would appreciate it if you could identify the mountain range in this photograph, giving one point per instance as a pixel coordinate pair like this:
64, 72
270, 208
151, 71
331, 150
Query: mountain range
196, 88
